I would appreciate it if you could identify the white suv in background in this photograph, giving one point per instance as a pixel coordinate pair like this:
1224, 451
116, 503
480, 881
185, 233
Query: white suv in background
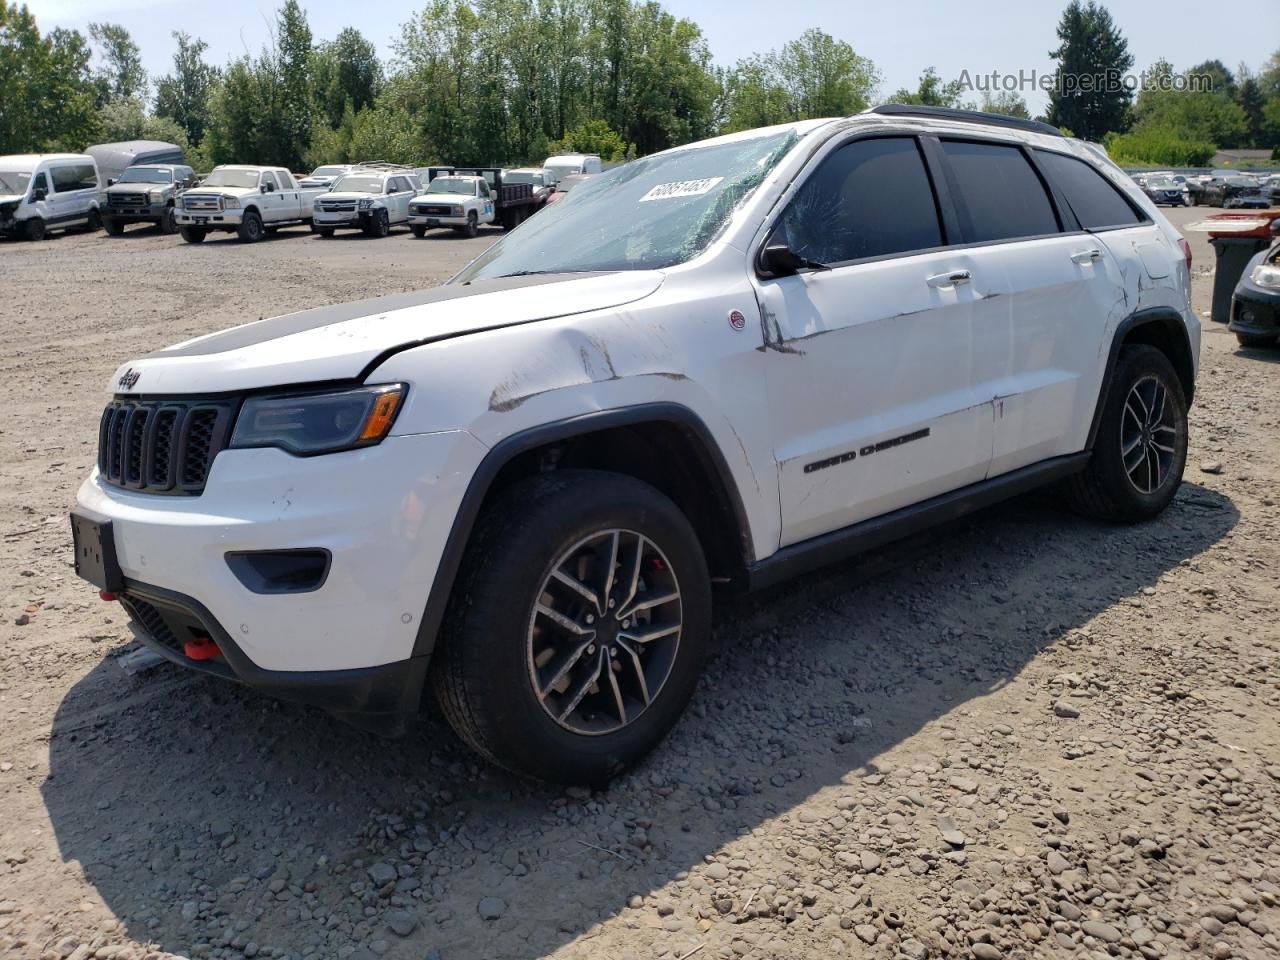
367, 200
43, 192
729, 363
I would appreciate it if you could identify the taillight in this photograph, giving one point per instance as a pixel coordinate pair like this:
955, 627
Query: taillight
1186, 251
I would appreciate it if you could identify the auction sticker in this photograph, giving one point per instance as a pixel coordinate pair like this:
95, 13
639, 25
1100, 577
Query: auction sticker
681, 188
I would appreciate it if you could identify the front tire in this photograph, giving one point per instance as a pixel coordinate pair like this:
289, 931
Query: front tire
379, 225
168, 223
113, 227
472, 229
250, 229
193, 234
1141, 447
573, 578
418, 231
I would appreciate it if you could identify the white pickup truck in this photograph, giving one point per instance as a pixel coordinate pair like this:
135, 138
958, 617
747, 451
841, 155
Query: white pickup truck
465, 197
249, 201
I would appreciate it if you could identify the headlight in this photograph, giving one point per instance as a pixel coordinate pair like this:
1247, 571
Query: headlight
457, 211
156, 195
104, 198
319, 422
230, 203
1266, 275
366, 203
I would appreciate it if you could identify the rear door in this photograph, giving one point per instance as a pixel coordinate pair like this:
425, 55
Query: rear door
1061, 286
874, 391
75, 185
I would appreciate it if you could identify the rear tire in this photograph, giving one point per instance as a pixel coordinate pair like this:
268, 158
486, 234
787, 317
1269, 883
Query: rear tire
498, 641
250, 229
1257, 340
193, 234
113, 227
418, 231
94, 222
1141, 447
34, 229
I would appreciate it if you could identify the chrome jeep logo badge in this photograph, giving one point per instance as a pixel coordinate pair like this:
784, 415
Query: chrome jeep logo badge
737, 320
129, 378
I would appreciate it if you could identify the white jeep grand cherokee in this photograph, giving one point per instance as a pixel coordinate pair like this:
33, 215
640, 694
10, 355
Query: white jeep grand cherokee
727, 363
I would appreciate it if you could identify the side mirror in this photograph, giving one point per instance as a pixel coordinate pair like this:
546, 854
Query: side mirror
264, 188
781, 260
111, 181
39, 193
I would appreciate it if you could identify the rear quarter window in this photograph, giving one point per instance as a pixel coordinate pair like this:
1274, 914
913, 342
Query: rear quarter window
1096, 203
1000, 193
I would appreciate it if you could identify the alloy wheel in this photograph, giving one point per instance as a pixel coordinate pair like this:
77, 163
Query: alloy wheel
1148, 435
604, 632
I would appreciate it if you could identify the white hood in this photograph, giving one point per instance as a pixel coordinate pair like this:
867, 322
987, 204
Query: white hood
342, 342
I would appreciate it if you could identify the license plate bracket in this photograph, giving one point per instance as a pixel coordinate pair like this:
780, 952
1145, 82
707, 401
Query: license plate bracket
95, 552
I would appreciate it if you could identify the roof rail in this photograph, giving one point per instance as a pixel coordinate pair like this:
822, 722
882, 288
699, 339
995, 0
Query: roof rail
964, 116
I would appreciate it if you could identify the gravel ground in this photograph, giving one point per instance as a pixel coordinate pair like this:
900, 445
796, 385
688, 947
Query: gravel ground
1023, 735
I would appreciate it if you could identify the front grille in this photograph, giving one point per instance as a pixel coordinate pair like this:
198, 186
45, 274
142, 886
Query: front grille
430, 210
161, 446
201, 202
127, 200
337, 206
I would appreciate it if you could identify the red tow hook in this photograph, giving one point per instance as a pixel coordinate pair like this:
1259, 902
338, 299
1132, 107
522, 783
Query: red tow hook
106, 595
201, 648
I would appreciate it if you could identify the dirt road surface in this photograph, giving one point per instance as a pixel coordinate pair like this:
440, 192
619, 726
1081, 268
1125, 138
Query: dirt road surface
1021, 735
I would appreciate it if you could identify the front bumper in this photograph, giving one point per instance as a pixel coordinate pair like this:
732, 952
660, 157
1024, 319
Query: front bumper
1255, 311
381, 699
342, 219
384, 514
213, 219
419, 220
150, 213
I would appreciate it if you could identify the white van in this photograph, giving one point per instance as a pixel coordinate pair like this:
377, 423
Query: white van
51, 191
566, 165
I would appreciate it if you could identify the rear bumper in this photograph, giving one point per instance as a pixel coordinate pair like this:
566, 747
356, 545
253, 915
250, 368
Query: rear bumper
381, 698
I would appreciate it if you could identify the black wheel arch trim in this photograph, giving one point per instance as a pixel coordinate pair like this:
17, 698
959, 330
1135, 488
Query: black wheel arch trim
1172, 322
505, 450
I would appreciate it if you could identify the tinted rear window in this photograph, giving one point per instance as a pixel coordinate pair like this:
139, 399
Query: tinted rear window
868, 199
1094, 201
78, 176
1001, 197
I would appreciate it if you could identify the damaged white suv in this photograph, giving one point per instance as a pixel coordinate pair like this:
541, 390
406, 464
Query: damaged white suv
726, 364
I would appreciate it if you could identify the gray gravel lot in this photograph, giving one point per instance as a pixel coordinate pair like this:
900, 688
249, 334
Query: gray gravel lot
1021, 735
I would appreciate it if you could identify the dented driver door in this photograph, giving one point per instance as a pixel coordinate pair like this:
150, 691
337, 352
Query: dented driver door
879, 393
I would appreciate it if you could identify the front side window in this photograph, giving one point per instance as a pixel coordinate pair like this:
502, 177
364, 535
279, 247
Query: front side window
870, 198
39, 183
1095, 202
269, 180
649, 214
1000, 195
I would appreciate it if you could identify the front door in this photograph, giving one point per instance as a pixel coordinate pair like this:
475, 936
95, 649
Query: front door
876, 390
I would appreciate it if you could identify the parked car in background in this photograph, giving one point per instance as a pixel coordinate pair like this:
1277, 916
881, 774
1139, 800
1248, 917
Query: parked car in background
728, 363
324, 176
1165, 190
1271, 190
1232, 192
566, 184
535, 178
145, 194
44, 192
367, 200
466, 197
570, 164
246, 200
1255, 303
114, 158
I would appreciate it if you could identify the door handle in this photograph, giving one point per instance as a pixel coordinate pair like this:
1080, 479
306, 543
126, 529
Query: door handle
952, 278
1086, 256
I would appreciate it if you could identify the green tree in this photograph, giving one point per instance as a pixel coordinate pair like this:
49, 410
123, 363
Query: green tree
1209, 116
1251, 100
1221, 80
184, 95
1090, 97
295, 98
1007, 103
125, 118
813, 76
345, 71
930, 92
120, 73
47, 96
593, 136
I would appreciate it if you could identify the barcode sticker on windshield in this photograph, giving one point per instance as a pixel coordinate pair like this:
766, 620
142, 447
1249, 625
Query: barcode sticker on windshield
681, 188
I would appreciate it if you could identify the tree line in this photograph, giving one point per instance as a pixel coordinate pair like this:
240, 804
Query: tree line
489, 82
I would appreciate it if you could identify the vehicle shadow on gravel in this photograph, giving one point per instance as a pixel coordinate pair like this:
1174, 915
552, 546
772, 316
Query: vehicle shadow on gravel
205, 814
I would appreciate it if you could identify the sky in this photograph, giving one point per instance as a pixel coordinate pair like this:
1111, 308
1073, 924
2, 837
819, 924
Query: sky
901, 40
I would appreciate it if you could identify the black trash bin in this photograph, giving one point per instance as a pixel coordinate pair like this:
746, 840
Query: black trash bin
1234, 254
